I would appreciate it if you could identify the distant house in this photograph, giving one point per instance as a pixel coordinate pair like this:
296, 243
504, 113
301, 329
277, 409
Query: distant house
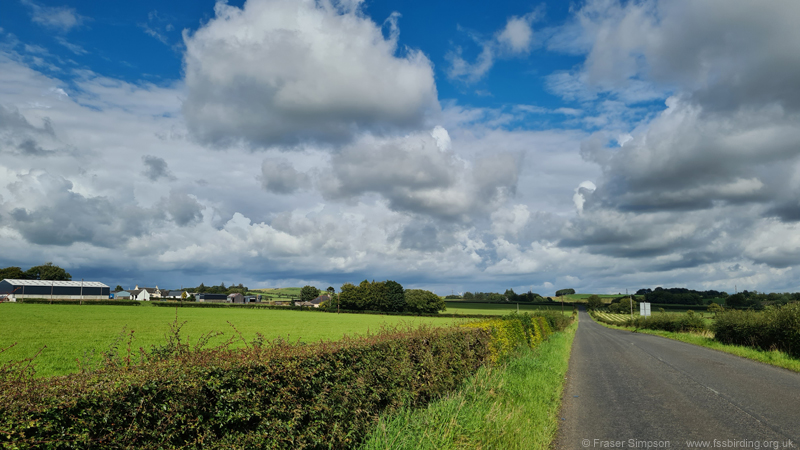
174, 294
308, 304
236, 298
140, 294
317, 301
151, 293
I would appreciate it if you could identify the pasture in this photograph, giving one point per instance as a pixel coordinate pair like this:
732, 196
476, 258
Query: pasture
67, 333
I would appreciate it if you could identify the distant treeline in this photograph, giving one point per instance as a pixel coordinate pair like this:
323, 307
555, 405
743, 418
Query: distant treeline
220, 289
679, 296
744, 299
508, 296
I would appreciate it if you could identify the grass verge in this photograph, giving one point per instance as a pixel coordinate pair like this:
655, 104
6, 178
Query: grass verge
514, 405
773, 357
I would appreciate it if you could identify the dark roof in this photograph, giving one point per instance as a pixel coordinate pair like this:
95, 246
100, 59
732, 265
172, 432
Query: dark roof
320, 299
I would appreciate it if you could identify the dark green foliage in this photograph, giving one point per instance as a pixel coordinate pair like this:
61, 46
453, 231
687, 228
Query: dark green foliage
374, 296
493, 297
774, 328
80, 302
308, 293
395, 292
220, 289
13, 273
678, 296
668, 322
561, 292
118, 288
594, 302
48, 271
269, 395
422, 301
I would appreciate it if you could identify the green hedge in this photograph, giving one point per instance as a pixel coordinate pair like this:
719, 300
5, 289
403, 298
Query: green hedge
270, 395
668, 322
80, 302
172, 304
774, 328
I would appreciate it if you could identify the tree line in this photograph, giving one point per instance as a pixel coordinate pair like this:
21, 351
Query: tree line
508, 296
47, 271
386, 296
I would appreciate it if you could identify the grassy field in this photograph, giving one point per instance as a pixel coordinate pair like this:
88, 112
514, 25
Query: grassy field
68, 332
279, 293
500, 308
512, 406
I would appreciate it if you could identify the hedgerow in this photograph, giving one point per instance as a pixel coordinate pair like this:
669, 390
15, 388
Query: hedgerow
80, 302
776, 328
268, 395
668, 322
174, 304
510, 331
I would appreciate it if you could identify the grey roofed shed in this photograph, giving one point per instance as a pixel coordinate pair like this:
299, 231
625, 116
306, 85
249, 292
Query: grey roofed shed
16, 288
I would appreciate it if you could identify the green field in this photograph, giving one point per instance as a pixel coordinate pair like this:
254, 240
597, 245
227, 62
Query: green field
68, 332
500, 308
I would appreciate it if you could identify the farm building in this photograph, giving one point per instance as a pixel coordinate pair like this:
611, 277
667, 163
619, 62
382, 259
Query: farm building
236, 298
122, 295
219, 298
13, 289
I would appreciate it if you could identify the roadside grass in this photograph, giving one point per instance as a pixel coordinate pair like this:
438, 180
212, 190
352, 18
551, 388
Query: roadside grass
514, 405
500, 308
706, 339
68, 333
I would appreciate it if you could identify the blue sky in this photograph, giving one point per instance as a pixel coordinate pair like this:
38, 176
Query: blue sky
599, 145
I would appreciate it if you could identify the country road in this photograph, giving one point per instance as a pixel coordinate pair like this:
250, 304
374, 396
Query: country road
632, 390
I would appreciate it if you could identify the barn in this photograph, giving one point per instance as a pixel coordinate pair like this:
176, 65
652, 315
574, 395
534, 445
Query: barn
12, 289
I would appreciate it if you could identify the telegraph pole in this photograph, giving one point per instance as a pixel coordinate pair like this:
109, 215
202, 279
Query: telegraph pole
630, 299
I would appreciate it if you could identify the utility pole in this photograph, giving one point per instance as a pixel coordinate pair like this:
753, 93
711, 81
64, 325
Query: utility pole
630, 298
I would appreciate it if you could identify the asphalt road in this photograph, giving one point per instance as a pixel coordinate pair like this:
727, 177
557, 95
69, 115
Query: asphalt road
631, 390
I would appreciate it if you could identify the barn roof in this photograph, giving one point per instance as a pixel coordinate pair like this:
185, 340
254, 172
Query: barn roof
16, 282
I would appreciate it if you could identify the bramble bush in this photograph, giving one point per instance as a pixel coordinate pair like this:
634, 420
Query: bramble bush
269, 395
775, 328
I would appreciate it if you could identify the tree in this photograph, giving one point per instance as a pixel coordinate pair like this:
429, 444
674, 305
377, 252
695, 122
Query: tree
379, 296
625, 305
422, 301
511, 296
48, 271
118, 288
308, 293
561, 292
715, 308
594, 302
394, 291
348, 296
13, 273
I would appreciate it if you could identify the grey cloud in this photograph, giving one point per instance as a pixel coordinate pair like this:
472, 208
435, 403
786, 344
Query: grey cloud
422, 237
45, 211
22, 137
280, 177
183, 208
415, 175
283, 72
156, 168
